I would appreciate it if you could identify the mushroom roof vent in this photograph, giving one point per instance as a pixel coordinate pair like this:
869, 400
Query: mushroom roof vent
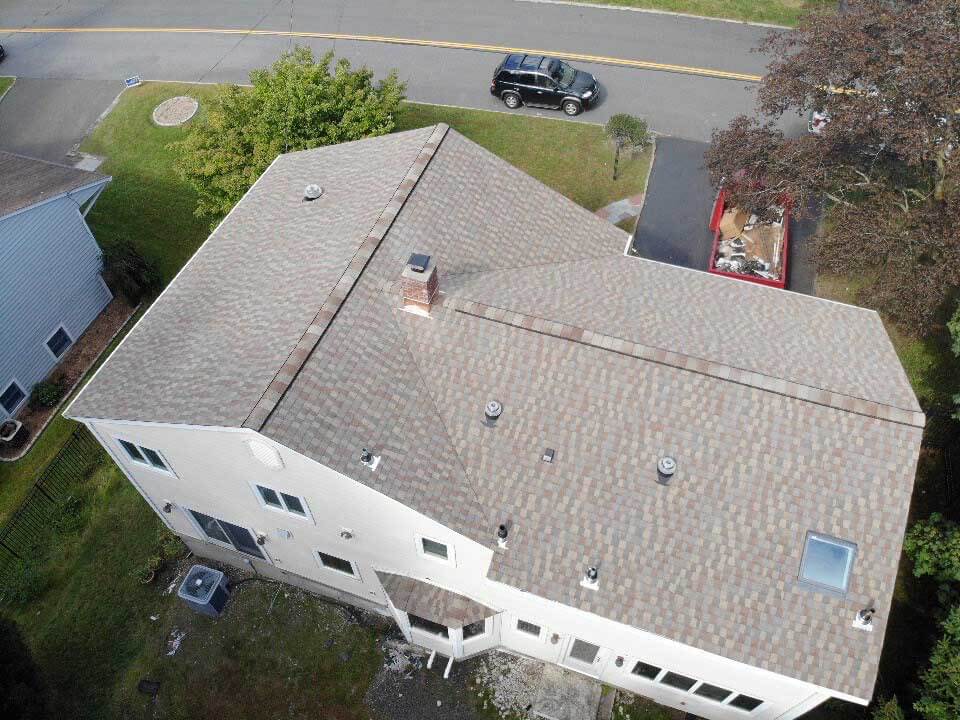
312, 192
493, 410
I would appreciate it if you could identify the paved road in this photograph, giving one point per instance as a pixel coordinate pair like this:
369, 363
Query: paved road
681, 105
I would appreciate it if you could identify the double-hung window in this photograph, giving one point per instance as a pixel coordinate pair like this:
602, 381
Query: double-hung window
283, 501
145, 456
59, 342
12, 397
225, 533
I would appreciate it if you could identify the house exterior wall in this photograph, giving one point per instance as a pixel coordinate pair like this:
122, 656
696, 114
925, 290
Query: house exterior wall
215, 473
49, 276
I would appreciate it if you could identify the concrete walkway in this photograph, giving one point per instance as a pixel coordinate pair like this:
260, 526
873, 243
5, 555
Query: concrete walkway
621, 209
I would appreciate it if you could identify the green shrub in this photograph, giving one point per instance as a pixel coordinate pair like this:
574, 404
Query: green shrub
940, 683
628, 133
171, 547
127, 272
46, 394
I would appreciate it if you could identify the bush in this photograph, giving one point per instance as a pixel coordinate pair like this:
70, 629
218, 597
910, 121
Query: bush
46, 394
298, 104
889, 710
171, 547
628, 133
940, 684
127, 272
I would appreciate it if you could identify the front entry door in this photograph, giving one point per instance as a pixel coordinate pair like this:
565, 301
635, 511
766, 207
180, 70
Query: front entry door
585, 657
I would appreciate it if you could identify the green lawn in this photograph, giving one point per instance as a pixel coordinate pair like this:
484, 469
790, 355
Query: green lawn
778, 12
6, 82
572, 158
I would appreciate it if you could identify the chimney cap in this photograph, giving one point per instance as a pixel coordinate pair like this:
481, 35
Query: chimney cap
418, 262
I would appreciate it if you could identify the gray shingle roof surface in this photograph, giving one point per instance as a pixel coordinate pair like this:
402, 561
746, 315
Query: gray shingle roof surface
25, 181
786, 414
220, 333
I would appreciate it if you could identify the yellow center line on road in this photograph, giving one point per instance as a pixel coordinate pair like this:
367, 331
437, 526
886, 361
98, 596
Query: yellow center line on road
602, 59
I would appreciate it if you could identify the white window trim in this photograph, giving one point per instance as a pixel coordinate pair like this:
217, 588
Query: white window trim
451, 558
524, 633
19, 405
143, 463
282, 511
46, 343
339, 573
225, 545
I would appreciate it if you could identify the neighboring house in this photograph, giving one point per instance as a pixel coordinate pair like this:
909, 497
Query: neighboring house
50, 264
303, 402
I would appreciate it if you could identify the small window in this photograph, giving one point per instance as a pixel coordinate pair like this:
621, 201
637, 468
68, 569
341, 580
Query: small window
527, 78
745, 702
528, 628
676, 680
145, 456
133, 452
279, 500
646, 670
545, 82
428, 626
293, 504
12, 397
712, 692
153, 457
827, 562
434, 548
59, 342
474, 629
269, 497
335, 563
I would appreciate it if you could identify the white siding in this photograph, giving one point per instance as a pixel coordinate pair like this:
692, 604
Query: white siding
215, 472
49, 276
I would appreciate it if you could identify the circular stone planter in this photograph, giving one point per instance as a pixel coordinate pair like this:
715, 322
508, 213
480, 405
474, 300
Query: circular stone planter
175, 111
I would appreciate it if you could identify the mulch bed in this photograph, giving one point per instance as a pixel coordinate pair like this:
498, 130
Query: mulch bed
71, 369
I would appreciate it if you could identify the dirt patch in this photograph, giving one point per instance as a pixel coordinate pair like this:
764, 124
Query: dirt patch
74, 365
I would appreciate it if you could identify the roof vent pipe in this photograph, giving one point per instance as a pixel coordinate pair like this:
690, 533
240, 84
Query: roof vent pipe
666, 467
502, 536
312, 192
491, 411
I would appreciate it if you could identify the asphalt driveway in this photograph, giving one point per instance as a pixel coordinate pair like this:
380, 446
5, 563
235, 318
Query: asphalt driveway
46, 118
673, 225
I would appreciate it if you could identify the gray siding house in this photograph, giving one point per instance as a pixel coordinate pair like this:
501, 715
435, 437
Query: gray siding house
50, 264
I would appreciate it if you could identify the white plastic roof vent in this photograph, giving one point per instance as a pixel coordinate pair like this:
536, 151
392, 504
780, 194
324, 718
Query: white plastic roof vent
266, 454
312, 192
666, 467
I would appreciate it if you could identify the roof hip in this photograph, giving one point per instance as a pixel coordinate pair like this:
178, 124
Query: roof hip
341, 290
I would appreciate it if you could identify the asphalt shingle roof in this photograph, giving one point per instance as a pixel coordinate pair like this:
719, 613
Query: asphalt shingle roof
786, 414
26, 181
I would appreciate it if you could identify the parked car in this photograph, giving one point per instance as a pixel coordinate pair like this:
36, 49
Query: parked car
2, 53
540, 81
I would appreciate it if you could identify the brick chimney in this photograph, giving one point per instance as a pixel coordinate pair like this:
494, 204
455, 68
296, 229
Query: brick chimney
419, 282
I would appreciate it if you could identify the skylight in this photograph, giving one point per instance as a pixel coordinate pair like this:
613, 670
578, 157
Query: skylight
827, 562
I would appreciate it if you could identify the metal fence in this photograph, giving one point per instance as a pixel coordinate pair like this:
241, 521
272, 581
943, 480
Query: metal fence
52, 488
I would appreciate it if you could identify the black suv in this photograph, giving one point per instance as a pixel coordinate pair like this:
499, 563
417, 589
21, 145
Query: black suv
541, 81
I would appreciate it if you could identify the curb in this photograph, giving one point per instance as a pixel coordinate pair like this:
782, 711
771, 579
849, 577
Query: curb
653, 11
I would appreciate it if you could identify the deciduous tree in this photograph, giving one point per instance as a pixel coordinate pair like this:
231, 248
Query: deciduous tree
297, 104
887, 74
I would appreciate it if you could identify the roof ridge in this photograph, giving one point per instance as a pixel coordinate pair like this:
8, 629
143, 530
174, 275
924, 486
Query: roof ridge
311, 336
681, 361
